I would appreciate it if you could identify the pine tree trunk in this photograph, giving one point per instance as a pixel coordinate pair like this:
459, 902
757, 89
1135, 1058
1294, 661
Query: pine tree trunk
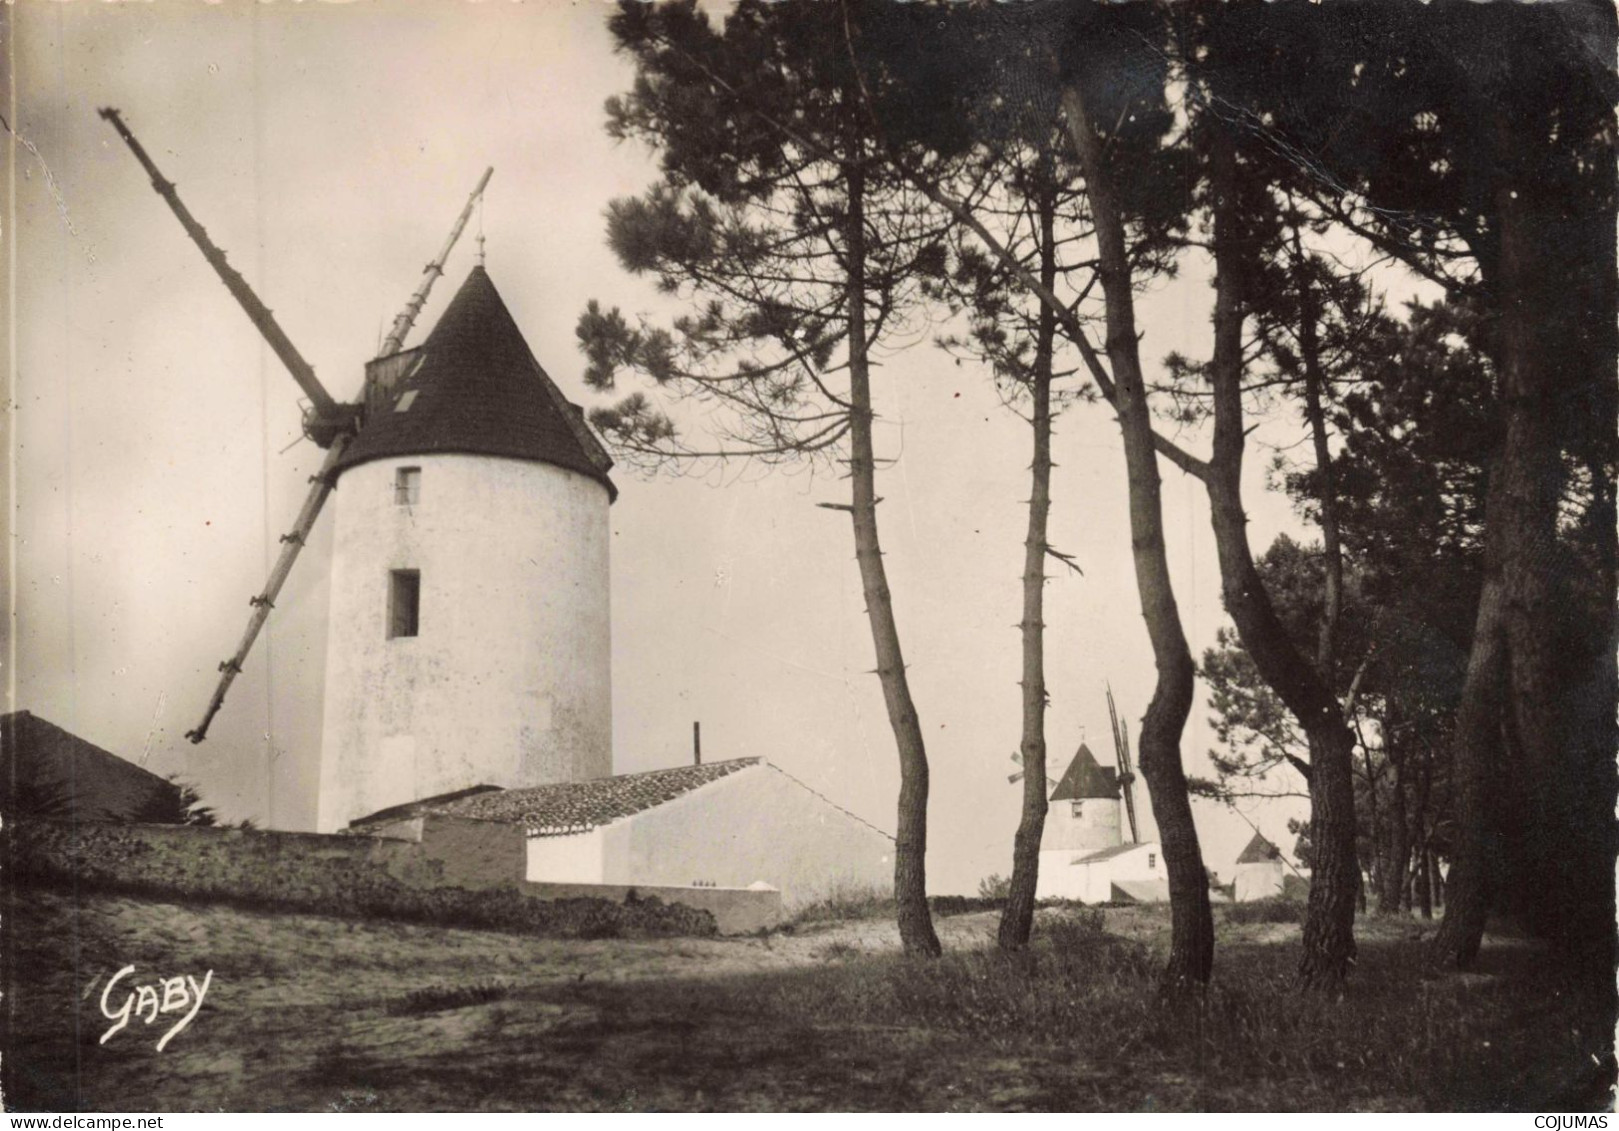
1376, 867
1555, 331
1329, 942
1326, 660
1017, 917
1424, 878
1567, 849
911, 836
1397, 869
1474, 747
1191, 953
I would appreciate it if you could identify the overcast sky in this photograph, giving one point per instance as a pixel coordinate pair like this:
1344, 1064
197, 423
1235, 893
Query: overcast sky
327, 149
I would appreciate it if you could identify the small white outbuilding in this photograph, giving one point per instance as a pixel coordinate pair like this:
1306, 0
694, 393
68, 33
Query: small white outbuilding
731, 824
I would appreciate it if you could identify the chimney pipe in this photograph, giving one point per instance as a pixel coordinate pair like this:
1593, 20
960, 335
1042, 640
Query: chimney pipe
697, 743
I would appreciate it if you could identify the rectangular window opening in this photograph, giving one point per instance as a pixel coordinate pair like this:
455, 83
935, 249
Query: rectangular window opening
404, 602
407, 486
1078, 808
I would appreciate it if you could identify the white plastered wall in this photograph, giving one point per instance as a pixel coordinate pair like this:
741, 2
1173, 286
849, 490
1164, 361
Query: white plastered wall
572, 858
1094, 827
1257, 881
1061, 878
754, 824
508, 681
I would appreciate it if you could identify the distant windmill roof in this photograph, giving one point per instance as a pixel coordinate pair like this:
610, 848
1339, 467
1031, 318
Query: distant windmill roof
478, 390
1086, 778
1259, 851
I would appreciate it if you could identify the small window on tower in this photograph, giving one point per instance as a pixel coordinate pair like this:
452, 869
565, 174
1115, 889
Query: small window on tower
404, 602
1152, 860
1078, 808
407, 486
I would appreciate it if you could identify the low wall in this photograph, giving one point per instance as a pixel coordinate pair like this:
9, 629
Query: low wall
736, 911
461, 873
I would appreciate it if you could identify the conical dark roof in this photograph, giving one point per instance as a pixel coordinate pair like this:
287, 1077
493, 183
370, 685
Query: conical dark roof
1086, 778
479, 391
1259, 851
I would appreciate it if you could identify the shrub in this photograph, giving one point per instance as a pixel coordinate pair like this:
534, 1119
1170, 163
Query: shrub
1277, 909
845, 902
946, 905
297, 872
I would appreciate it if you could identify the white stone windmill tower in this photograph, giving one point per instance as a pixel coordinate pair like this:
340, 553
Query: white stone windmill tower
468, 636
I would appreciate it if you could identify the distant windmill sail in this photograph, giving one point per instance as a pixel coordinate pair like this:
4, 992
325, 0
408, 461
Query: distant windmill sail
1121, 748
1017, 760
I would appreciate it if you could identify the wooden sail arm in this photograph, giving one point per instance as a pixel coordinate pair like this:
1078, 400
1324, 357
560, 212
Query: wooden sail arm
324, 407
407, 317
292, 544
1121, 750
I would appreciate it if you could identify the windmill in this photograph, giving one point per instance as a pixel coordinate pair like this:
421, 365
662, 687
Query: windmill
1127, 777
329, 423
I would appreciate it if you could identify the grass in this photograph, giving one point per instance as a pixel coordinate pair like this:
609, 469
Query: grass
860, 903
312, 1013
1521, 1036
437, 999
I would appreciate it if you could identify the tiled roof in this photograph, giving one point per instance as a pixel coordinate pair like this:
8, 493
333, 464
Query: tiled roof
1085, 779
1259, 851
422, 805
1107, 853
479, 391
580, 806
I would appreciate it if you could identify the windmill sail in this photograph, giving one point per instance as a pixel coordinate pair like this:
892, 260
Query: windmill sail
328, 417
407, 316
292, 545
321, 485
329, 424
1121, 749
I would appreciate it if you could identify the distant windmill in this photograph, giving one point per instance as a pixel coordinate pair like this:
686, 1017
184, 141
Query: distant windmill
1121, 748
329, 424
